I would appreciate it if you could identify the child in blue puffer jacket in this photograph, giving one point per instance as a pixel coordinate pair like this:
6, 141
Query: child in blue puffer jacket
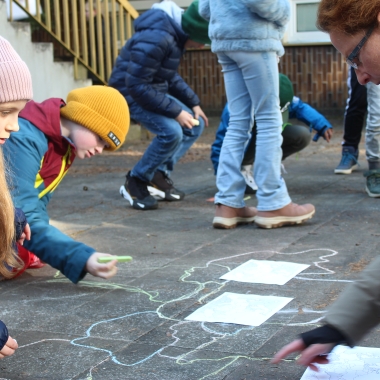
15, 91
146, 73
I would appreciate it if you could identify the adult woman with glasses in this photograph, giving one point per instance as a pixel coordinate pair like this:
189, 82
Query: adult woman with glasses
354, 29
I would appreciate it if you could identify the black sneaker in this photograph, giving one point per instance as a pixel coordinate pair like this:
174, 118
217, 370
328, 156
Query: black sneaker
135, 191
161, 187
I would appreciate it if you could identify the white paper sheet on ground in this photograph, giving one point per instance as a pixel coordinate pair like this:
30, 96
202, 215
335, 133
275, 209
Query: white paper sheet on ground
265, 272
242, 309
359, 363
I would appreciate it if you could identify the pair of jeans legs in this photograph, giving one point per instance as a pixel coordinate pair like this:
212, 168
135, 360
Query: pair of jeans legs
251, 80
170, 144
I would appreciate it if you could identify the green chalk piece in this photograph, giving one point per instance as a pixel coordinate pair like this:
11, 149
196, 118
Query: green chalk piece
120, 259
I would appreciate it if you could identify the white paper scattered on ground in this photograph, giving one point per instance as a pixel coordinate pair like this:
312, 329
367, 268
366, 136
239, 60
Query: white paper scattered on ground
242, 309
359, 363
265, 272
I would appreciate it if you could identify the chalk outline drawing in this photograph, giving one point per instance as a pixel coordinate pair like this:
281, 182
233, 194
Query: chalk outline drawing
199, 286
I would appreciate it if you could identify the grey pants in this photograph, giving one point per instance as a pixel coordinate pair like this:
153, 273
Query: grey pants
295, 138
372, 131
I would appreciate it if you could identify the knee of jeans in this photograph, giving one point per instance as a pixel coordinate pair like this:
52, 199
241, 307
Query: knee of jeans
175, 135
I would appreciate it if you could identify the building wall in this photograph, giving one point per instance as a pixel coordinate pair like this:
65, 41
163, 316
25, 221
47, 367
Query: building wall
318, 74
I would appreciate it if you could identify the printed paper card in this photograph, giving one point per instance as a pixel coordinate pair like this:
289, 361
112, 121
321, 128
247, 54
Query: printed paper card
242, 309
265, 272
359, 363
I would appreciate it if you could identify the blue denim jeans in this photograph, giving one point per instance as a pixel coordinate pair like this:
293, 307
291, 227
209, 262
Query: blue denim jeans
170, 144
252, 87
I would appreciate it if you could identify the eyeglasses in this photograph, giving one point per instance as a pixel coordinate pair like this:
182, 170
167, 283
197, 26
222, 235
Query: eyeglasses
353, 58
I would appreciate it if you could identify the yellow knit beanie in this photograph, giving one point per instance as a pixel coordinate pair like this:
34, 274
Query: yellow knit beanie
102, 110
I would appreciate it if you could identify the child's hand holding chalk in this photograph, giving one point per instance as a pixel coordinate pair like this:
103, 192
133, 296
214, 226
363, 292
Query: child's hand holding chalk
120, 259
195, 122
103, 264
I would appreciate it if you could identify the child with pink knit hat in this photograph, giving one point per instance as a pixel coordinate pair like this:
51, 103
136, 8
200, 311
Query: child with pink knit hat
15, 83
15, 91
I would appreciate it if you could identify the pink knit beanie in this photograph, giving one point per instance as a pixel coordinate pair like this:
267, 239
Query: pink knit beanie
15, 78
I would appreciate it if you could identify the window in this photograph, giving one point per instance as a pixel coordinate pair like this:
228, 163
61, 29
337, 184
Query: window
18, 13
302, 28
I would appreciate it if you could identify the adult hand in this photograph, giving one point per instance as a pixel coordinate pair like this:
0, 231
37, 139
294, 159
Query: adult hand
9, 348
101, 270
25, 234
328, 134
199, 112
185, 119
314, 354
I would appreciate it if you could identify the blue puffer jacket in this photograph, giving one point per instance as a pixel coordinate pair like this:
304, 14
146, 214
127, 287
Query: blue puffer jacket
246, 25
146, 68
307, 114
3, 335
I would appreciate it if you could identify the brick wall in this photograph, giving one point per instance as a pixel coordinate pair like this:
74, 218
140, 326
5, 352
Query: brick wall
318, 74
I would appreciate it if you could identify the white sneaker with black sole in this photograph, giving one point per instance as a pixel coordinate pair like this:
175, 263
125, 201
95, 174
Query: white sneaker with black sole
247, 173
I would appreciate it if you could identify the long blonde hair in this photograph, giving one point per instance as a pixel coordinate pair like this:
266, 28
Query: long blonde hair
8, 258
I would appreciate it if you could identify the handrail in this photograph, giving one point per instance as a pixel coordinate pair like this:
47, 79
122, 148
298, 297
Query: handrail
92, 31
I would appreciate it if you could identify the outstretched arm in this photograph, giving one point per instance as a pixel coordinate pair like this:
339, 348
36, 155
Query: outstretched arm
310, 116
310, 356
354, 314
24, 153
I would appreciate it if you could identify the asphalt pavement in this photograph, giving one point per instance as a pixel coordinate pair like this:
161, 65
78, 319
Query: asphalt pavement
133, 326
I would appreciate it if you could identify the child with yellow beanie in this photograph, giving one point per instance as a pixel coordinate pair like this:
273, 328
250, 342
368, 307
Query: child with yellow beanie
52, 134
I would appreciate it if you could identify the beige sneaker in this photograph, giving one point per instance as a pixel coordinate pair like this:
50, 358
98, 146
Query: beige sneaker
290, 214
228, 217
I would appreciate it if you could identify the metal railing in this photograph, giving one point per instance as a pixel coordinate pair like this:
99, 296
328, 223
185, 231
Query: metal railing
92, 31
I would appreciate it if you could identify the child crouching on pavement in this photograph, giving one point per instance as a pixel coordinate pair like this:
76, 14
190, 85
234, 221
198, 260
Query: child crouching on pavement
15, 90
52, 134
